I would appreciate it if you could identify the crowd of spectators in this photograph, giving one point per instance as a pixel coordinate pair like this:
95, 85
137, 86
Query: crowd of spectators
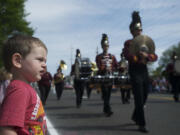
160, 85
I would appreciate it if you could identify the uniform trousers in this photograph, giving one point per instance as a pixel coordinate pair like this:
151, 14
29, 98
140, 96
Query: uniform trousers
79, 90
106, 94
44, 92
176, 87
125, 95
88, 89
140, 86
59, 89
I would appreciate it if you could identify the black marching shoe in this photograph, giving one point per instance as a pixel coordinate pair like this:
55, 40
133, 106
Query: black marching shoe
108, 114
78, 106
176, 99
127, 101
143, 129
123, 101
135, 120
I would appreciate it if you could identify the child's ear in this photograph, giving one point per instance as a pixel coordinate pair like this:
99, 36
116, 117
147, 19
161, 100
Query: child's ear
16, 60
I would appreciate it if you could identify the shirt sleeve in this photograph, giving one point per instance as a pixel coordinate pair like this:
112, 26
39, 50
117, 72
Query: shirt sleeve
134, 58
152, 57
14, 106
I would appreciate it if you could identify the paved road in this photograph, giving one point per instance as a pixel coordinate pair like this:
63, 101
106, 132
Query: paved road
162, 114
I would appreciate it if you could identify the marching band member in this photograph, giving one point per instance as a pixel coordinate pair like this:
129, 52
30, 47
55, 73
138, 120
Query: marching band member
45, 85
138, 73
106, 64
79, 84
126, 88
173, 77
59, 82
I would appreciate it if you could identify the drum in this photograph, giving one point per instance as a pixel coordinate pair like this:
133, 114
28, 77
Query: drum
99, 79
123, 66
122, 79
83, 68
177, 67
110, 80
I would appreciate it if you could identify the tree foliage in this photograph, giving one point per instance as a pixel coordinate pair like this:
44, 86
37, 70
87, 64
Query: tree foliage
165, 59
166, 55
12, 20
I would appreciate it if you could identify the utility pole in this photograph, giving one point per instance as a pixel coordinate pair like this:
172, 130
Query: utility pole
71, 55
97, 51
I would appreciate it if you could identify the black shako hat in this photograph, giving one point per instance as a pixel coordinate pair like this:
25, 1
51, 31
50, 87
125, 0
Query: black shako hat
104, 40
136, 22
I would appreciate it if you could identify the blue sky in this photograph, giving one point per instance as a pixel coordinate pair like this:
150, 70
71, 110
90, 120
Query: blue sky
65, 25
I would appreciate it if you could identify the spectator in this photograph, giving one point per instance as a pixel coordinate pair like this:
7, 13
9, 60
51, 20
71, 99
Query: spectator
44, 86
22, 112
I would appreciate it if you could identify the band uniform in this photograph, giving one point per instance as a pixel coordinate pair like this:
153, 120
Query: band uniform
173, 76
106, 64
138, 72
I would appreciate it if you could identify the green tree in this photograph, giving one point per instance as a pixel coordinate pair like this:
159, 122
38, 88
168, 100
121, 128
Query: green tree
12, 20
157, 72
166, 55
165, 59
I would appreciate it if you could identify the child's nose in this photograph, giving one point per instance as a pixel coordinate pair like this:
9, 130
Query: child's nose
44, 65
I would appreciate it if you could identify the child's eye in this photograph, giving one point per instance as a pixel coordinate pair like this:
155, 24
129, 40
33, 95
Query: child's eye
40, 59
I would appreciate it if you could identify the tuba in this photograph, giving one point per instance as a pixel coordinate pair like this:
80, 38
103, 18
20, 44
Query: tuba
94, 69
60, 76
63, 65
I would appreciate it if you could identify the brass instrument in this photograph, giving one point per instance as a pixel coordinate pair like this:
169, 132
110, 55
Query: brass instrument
63, 65
142, 43
60, 78
94, 68
60, 75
